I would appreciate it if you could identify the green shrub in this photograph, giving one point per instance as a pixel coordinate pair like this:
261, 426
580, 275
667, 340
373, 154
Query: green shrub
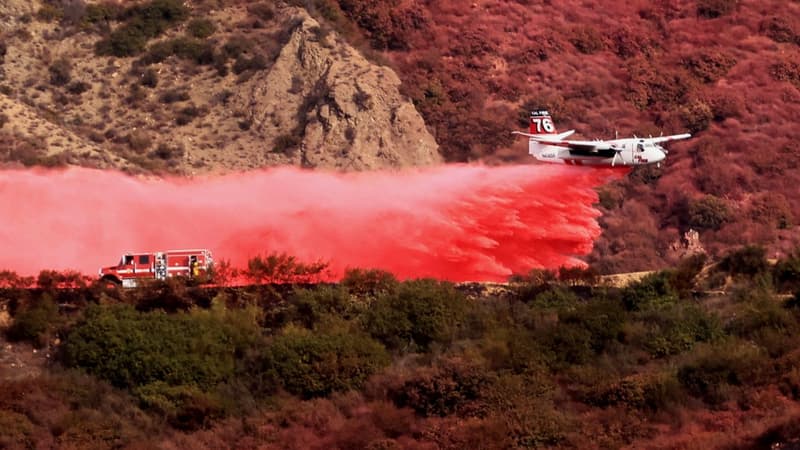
60, 72
263, 10
578, 275
453, 388
170, 295
708, 213
650, 392
143, 22
49, 13
197, 51
123, 42
651, 292
184, 407
766, 323
418, 314
750, 261
237, 45
102, 13
34, 321
369, 283
131, 348
283, 268
201, 28
585, 331
243, 64
556, 297
682, 278
315, 365
527, 287
679, 329
712, 374
187, 114
309, 306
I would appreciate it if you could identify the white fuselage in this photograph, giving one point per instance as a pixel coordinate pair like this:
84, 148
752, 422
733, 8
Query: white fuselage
623, 152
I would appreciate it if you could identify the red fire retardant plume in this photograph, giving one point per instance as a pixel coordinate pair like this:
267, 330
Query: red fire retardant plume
452, 222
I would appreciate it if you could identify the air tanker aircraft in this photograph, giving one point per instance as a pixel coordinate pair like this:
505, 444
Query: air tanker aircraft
545, 144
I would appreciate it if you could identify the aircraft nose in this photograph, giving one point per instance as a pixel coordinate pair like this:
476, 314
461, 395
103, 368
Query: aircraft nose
659, 155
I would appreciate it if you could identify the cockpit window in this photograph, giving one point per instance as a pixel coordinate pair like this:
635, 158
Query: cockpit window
640, 147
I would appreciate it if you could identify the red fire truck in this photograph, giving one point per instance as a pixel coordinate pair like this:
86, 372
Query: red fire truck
135, 267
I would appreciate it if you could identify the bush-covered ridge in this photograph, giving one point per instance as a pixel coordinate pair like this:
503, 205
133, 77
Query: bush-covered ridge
724, 70
373, 362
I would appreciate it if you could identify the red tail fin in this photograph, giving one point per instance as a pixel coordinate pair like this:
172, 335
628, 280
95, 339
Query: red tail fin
542, 123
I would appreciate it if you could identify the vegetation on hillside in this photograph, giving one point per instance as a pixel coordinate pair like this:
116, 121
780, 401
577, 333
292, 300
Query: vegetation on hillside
723, 70
550, 360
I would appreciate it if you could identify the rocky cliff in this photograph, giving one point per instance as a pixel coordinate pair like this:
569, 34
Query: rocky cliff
270, 85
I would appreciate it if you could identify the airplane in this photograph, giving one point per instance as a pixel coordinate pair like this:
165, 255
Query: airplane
545, 144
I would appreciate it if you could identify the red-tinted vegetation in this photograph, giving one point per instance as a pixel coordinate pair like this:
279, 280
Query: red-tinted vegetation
720, 69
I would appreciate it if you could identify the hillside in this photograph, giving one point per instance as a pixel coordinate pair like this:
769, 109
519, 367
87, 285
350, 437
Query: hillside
374, 363
231, 85
196, 89
724, 70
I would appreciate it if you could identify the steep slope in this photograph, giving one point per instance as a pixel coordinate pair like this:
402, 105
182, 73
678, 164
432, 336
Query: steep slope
231, 88
725, 70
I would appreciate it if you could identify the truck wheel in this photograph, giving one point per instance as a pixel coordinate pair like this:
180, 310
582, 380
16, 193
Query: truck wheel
109, 281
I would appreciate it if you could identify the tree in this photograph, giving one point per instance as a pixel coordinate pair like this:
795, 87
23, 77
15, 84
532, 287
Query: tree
315, 365
418, 314
283, 268
708, 213
131, 348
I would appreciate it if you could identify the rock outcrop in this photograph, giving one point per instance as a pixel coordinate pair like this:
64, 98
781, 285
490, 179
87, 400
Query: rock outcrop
340, 110
293, 92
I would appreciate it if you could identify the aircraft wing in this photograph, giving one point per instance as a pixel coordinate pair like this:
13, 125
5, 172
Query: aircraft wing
674, 137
